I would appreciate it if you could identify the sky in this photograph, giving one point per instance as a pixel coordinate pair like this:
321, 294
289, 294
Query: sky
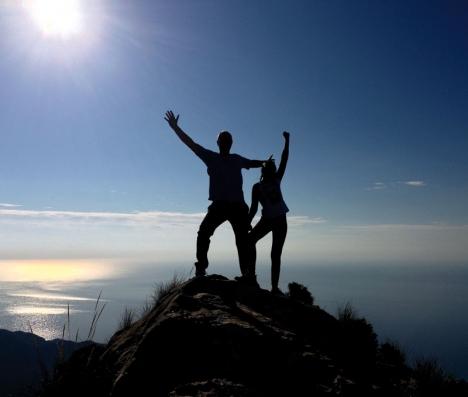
374, 94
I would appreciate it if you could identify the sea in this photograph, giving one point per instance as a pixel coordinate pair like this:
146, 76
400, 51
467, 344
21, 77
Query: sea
423, 307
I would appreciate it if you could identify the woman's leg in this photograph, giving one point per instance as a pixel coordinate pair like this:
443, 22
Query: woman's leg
279, 231
260, 230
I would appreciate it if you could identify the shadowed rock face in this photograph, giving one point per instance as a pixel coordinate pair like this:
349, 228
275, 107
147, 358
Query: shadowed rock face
211, 328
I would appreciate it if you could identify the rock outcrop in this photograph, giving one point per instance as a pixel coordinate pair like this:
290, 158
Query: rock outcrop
213, 328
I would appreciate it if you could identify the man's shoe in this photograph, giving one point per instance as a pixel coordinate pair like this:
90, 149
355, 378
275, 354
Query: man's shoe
200, 270
277, 291
248, 279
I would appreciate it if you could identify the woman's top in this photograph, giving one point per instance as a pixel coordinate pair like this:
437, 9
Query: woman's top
269, 195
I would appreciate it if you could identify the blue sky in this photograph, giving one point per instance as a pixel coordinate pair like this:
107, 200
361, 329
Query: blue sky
374, 95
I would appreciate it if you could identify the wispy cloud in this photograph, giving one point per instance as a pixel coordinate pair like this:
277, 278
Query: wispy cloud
9, 205
382, 185
403, 227
413, 183
304, 220
153, 218
135, 219
377, 186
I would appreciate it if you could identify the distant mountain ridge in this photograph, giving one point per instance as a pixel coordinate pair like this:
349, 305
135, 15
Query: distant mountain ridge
20, 355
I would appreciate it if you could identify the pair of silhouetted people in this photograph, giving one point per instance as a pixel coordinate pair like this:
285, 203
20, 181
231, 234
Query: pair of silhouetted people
228, 204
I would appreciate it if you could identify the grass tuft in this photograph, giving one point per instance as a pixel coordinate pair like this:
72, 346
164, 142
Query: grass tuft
145, 308
393, 353
300, 293
127, 318
162, 289
346, 312
431, 375
362, 343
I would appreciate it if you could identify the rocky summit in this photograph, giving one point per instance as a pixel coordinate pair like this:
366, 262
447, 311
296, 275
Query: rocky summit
212, 333
212, 336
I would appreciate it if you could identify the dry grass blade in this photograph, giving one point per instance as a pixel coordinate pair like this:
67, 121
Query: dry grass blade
95, 323
68, 319
96, 316
32, 334
61, 348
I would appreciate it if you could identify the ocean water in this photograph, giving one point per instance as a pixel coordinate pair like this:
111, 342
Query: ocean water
424, 307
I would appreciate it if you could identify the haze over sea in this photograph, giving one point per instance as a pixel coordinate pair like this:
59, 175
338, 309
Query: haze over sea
424, 307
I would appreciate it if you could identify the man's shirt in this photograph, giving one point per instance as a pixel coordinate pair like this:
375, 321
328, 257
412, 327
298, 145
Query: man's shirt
225, 174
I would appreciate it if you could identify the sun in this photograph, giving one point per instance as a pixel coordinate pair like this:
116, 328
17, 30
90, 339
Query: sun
57, 17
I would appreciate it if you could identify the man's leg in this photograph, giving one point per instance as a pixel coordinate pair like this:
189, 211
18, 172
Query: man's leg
216, 216
239, 220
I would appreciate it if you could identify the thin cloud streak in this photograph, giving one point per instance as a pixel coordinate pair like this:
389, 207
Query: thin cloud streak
413, 183
135, 219
153, 218
377, 186
9, 205
403, 227
382, 185
296, 221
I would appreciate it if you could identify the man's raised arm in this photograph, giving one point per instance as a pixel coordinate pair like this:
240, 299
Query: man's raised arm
173, 123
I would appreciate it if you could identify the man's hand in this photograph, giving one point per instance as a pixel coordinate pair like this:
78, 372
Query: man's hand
285, 134
171, 119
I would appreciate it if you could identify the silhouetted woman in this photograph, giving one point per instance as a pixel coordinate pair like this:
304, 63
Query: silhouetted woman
274, 209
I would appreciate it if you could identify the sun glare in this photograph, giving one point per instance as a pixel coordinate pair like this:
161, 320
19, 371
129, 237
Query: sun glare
55, 270
58, 17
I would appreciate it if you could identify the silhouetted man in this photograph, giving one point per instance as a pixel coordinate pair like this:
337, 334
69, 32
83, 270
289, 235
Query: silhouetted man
226, 195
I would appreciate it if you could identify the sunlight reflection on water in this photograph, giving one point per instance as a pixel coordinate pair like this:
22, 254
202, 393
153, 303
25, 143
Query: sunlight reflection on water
56, 270
35, 295
53, 297
37, 310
